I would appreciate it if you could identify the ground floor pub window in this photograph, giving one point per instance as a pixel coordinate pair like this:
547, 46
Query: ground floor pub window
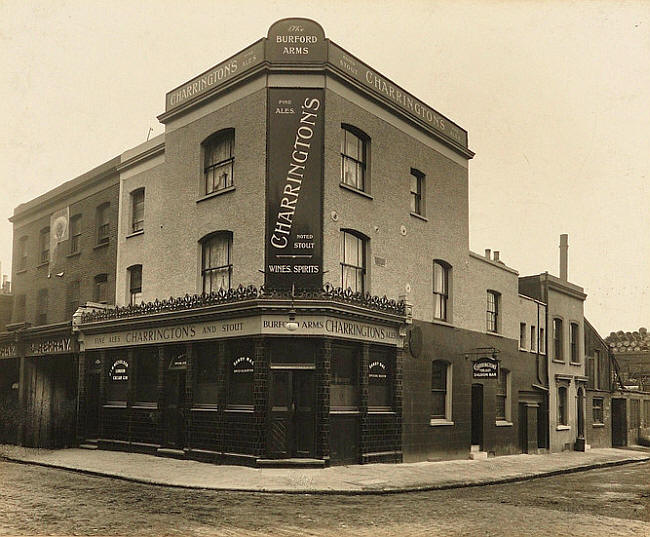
146, 379
344, 385
240, 378
440, 407
380, 376
206, 392
117, 385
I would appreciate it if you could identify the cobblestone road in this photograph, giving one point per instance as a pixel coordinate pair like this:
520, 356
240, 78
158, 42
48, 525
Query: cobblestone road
40, 501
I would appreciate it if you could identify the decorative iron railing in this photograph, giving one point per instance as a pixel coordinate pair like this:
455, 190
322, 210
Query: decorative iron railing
240, 294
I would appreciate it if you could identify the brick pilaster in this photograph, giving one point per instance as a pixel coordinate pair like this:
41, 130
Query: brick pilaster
162, 422
364, 361
323, 379
261, 383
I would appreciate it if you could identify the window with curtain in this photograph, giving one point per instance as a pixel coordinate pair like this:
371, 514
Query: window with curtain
353, 158
353, 261
441, 271
219, 161
216, 265
492, 313
135, 284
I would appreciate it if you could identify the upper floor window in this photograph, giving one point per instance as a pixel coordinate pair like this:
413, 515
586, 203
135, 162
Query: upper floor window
417, 192
573, 335
440, 390
73, 298
44, 245
135, 284
441, 272
492, 313
503, 396
354, 152
137, 210
19, 308
218, 161
43, 304
22, 254
216, 264
100, 290
353, 261
103, 223
533, 338
75, 234
557, 340
522, 335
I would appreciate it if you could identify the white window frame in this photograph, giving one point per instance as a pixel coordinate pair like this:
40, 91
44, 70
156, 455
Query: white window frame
448, 419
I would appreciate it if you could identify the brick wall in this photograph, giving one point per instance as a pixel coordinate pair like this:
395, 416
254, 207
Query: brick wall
92, 259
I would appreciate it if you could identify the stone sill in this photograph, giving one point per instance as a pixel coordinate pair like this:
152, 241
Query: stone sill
216, 193
356, 190
503, 423
598, 425
74, 254
443, 323
135, 233
563, 428
439, 423
101, 245
419, 216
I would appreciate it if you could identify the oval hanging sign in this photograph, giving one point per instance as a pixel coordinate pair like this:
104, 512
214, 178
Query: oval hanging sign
485, 368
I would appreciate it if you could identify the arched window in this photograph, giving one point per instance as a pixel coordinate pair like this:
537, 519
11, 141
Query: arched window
441, 273
219, 159
353, 260
354, 157
503, 411
440, 391
216, 261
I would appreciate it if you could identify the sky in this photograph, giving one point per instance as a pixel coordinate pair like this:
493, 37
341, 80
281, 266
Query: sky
555, 96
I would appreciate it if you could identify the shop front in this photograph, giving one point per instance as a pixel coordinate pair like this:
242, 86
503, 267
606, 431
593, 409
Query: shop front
235, 385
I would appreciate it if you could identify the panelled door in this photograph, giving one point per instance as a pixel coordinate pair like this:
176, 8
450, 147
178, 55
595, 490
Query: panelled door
175, 409
291, 425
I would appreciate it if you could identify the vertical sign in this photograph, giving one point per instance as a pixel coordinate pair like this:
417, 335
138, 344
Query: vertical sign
294, 219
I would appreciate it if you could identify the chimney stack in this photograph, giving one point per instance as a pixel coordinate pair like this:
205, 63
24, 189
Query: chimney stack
564, 257
487, 253
496, 255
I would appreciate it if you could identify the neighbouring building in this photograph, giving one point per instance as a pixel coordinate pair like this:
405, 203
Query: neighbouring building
244, 258
566, 364
64, 254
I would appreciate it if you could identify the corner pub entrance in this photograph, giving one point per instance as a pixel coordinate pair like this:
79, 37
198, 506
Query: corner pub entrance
213, 384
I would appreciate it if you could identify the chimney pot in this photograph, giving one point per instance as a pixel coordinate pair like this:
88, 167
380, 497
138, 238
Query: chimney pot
487, 253
496, 255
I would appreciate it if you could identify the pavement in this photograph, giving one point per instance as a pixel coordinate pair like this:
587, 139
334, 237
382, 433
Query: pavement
355, 479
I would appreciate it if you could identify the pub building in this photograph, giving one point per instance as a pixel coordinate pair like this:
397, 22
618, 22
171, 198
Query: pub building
294, 189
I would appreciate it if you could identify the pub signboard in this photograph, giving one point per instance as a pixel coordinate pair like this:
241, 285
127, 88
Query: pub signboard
485, 368
294, 222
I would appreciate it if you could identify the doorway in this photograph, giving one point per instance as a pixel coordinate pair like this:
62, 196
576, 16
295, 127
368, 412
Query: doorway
292, 428
477, 415
92, 405
175, 409
580, 410
619, 423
